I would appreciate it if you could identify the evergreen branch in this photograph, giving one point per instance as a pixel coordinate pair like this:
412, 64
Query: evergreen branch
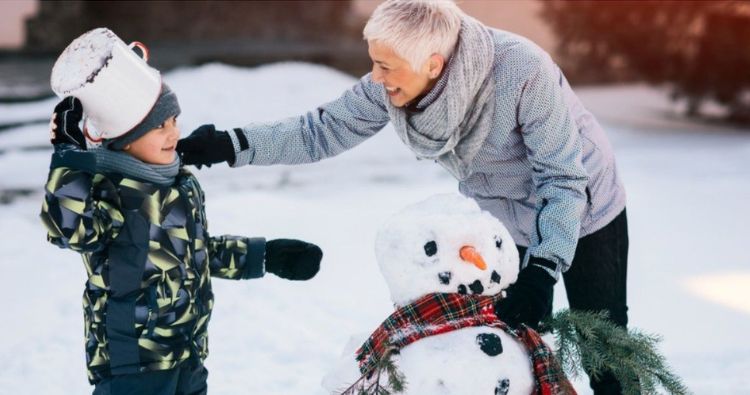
371, 383
592, 342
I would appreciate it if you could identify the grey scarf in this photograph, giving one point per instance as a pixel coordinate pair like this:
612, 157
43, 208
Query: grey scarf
108, 161
453, 128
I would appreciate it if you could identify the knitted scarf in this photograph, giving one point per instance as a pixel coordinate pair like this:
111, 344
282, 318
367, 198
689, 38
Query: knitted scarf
438, 313
109, 161
453, 128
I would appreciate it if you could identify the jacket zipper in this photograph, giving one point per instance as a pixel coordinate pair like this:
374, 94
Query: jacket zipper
185, 195
153, 312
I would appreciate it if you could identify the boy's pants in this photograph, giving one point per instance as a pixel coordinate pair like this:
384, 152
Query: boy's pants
186, 379
596, 281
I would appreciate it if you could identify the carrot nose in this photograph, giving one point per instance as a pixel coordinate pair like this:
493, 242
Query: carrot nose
470, 254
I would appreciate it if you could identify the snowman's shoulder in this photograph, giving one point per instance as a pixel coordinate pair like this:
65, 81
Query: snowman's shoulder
345, 371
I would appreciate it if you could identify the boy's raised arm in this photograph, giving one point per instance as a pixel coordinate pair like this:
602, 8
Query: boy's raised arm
77, 210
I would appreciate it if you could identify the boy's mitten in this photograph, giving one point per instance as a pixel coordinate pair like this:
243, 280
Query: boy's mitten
206, 146
64, 125
529, 299
292, 259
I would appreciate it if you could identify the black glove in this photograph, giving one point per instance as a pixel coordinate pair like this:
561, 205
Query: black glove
292, 259
64, 125
529, 299
206, 146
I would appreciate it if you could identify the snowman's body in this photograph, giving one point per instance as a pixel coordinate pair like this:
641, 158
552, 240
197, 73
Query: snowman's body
447, 244
456, 363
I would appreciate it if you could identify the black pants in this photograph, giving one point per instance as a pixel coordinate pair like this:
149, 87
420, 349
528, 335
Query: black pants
597, 281
187, 379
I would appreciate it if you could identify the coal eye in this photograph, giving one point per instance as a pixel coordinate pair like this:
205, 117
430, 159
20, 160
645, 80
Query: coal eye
430, 248
498, 243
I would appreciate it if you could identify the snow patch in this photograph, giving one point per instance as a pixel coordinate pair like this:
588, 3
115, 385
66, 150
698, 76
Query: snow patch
82, 60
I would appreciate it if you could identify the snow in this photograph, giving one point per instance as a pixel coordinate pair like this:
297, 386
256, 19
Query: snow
513, 364
82, 59
687, 189
451, 222
439, 356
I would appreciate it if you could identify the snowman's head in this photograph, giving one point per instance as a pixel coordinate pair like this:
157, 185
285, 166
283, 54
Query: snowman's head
445, 244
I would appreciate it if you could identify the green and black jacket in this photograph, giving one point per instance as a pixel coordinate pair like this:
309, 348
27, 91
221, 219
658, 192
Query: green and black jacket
149, 259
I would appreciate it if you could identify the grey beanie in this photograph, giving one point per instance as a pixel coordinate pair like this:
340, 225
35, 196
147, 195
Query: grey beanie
166, 106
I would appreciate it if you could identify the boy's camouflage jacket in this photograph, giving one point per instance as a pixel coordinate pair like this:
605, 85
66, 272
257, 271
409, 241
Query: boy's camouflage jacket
149, 259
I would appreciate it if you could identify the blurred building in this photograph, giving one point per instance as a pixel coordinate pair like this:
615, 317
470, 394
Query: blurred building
13, 13
193, 32
248, 33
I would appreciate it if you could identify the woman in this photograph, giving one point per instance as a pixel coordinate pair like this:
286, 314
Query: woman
496, 112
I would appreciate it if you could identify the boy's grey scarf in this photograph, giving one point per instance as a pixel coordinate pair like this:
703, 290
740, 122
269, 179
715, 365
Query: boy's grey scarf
453, 128
108, 161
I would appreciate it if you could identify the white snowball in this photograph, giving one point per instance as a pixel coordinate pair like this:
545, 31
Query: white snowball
454, 364
450, 221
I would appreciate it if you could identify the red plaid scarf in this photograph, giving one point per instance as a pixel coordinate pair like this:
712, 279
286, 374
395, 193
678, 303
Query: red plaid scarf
439, 313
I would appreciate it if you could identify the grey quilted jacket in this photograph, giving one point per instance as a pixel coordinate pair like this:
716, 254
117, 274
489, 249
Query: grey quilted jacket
547, 170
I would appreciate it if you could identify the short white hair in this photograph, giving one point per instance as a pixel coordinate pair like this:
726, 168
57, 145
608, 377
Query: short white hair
416, 29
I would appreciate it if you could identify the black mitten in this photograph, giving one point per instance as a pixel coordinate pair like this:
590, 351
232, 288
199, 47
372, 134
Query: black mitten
529, 299
64, 125
292, 259
206, 146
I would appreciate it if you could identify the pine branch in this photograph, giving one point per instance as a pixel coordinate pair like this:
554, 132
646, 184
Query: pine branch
594, 343
371, 383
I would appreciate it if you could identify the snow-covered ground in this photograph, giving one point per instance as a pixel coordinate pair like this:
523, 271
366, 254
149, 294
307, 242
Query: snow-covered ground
688, 187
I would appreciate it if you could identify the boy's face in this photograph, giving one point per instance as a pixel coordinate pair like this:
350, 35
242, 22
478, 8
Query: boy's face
157, 145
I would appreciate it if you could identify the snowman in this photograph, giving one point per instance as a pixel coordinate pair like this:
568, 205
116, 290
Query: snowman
445, 261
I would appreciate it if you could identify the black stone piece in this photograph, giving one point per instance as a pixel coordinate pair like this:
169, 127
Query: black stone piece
503, 386
498, 243
476, 287
445, 277
462, 289
430, 248
495, 277
490, 343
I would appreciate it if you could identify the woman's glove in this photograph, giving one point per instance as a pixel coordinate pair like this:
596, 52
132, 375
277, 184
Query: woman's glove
292, 259
206, 146
529, 299
64, 123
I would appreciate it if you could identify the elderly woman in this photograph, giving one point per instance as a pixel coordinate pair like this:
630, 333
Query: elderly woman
495, 111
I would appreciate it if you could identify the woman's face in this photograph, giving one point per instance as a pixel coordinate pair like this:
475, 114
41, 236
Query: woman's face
402, 84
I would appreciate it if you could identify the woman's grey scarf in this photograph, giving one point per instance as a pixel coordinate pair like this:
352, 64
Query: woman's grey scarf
453, 128
108, 161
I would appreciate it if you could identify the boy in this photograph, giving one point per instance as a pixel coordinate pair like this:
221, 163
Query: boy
138, 220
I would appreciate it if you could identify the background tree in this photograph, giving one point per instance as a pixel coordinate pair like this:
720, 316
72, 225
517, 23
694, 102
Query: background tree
699, 48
